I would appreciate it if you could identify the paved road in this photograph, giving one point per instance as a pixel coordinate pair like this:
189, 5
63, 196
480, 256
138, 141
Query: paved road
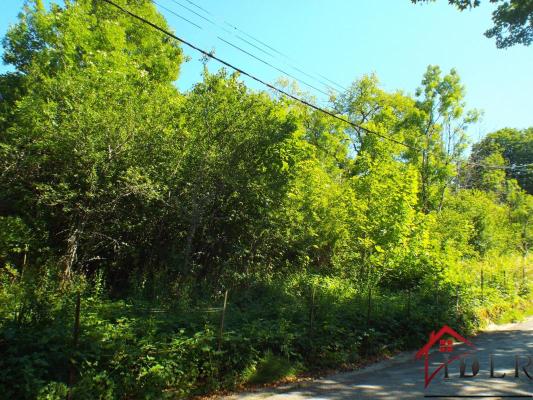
403, 377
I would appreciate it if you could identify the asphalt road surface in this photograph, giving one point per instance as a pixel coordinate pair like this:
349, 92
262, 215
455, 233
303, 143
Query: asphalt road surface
402, 377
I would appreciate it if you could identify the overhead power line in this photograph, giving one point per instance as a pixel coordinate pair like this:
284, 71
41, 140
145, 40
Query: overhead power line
523, 168
197, 6
251, 76
272, 66
304, 102
234, 46
217, 25
505, 167
178, 15
192, 11
287, 59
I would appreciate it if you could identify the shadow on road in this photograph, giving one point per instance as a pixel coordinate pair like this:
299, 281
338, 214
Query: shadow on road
403, 378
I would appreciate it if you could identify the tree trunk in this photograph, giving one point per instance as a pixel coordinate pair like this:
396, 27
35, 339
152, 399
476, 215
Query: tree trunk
67, 261
193, 227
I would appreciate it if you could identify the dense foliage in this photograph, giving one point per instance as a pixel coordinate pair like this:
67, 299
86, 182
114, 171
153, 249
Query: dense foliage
148, 205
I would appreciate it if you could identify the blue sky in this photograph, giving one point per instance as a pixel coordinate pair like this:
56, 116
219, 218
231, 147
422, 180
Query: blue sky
345, 39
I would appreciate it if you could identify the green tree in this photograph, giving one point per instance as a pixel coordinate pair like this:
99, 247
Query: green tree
443, 122
233, 176
91, 83
521, 212
507, 152
387, 231
474, 224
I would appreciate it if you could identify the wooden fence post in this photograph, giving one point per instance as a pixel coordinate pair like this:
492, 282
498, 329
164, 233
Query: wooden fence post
312, 311
457, 301
504, 279
221, 332
75, 338
482, 285
369, 306
409, 303
437, 294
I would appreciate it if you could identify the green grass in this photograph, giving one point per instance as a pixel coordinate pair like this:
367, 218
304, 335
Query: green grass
271, 368
517, 313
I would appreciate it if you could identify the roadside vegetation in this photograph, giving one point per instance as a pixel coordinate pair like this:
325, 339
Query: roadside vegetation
161, 244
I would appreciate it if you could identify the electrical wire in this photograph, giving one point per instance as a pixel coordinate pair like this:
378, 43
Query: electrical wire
178, 15
192, 11
251, 76
505, 167
288, 60
272, 66
236, 29
239, 48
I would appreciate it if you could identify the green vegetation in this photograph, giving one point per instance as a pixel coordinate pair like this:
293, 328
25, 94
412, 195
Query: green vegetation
149, 205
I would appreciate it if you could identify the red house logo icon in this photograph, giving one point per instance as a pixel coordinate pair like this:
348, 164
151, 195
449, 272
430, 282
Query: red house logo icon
445, 346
